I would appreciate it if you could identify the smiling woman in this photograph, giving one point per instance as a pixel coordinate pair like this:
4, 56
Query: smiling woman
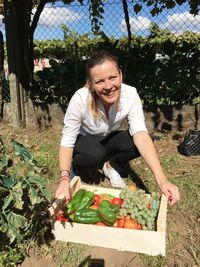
104, 79
92, 135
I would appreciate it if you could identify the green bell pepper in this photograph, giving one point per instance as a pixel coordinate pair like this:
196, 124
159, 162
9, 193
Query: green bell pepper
86, 216
82, 199
75, 201
107, 216
86, 201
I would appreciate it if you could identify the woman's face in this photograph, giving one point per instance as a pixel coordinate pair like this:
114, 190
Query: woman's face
106, 80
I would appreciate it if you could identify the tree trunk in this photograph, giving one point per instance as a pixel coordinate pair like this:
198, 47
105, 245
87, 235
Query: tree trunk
17, 21
33, 26
1, 74
126, 13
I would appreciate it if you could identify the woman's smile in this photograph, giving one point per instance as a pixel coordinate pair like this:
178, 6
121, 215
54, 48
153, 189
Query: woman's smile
106, 80
109, 93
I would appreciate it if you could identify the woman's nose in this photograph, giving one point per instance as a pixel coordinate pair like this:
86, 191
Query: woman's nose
108, 84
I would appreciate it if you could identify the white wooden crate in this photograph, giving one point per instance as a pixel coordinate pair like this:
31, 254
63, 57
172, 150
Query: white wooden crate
140, 241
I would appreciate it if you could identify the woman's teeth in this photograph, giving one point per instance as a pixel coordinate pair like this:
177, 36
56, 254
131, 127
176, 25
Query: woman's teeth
108, 93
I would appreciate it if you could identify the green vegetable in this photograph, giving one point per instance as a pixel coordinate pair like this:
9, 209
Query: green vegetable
86, 201
105, 203
82, 199
106, 215
110, 206
75, 201
86, 216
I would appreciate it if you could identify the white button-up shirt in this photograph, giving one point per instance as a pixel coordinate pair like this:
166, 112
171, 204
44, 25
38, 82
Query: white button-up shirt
80, 120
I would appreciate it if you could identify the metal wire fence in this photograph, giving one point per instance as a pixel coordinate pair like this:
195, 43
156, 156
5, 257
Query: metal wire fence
76, 18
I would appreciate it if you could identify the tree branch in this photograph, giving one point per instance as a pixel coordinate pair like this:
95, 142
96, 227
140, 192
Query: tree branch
125, 7
36, 17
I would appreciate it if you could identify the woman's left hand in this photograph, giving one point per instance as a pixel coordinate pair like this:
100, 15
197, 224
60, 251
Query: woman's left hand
171, 191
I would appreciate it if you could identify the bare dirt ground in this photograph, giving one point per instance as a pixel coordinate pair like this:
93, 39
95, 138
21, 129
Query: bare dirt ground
183, 226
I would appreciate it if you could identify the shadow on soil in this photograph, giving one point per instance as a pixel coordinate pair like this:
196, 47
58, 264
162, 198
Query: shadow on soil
92, 262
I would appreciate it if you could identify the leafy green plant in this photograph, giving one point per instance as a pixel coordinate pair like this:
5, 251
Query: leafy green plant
24, 201
164, 67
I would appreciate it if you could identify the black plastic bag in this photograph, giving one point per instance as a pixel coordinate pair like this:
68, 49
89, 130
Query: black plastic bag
191, 144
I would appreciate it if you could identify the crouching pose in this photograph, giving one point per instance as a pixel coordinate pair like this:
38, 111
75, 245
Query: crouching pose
92, 136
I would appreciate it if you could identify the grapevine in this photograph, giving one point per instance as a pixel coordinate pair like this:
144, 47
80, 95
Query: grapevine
141, 207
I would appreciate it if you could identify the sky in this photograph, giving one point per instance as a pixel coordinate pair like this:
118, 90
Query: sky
76, 18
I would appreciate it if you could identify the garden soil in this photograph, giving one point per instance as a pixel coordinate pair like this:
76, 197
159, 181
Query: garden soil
182, 221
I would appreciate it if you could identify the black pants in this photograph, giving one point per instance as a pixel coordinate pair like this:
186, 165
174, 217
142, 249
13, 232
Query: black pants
90, 154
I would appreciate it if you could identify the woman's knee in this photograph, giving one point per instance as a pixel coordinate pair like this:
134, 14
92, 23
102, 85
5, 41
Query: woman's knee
91, 156
96, 155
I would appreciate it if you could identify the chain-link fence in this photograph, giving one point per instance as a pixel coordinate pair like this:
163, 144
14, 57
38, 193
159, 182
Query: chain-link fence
76, 18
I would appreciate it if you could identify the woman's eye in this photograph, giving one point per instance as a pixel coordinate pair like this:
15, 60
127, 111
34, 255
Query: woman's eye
99, 82
113, 78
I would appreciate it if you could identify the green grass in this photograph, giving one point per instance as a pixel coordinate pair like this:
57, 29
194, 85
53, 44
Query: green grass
63, 254
183, 234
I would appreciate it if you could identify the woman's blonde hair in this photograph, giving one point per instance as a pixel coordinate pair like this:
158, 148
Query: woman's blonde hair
97, 58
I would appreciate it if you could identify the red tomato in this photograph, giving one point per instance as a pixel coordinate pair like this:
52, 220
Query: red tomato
120, 223
148, 205
130, 224
117, 200
101, 224
139, 227
97, 200
61, 218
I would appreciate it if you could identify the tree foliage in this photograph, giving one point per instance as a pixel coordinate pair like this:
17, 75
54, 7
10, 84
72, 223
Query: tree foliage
164, 67
20, 46
157, 6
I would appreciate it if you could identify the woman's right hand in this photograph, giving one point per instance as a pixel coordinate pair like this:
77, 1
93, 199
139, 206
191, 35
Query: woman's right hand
63, 189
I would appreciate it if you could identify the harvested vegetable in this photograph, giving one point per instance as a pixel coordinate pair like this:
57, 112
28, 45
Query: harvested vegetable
131, 224
140, 207
97, 199
82, 199
108, 212
75, 201
132, 187
86, 216
117, 200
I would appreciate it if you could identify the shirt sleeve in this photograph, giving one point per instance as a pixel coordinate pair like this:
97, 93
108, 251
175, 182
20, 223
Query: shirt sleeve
72, 122
136, 118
